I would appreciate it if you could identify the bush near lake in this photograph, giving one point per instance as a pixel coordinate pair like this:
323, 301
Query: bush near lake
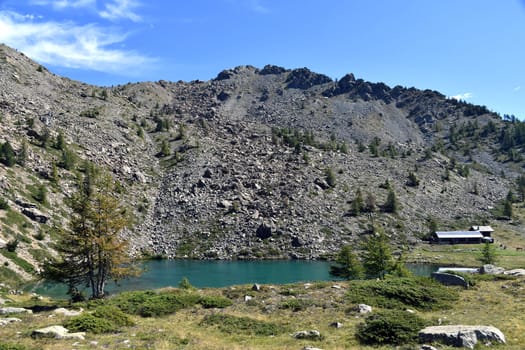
90, 323
105, 319
395, 327
153, 304
399, 293
244, 325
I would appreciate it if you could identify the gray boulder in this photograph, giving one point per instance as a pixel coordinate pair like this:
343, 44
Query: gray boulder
515, 272
461, 335
490, 269
311, 335
363, 309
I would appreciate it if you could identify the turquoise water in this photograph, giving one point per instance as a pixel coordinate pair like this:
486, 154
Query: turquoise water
203, 273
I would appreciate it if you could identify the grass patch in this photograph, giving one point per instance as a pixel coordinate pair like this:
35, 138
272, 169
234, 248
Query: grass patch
14, 218
296, 304
26, 266
243, 325
39, 254
9, 277
400, 293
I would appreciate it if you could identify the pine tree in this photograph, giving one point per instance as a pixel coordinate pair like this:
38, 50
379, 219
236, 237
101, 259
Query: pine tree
507, 209
488, 254
377, 255
7, 154
60, 143
93, 251
357, 204
391, 204
347, 265
68, 159
165, 149
22, 155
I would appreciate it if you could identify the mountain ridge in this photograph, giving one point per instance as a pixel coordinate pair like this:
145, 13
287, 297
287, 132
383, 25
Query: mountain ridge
237, 167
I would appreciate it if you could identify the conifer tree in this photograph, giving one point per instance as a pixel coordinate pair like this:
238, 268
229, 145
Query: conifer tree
7, 154
22, 155
488, 254
391, 204
377, 255
93, 251
357, 204
347, 265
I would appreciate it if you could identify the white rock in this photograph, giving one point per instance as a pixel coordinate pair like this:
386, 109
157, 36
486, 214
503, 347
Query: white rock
14, 310
66, 312
363, 308
5, 321
515, 272
57, 332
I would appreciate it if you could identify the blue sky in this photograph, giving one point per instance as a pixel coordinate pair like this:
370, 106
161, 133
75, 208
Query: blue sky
471, 49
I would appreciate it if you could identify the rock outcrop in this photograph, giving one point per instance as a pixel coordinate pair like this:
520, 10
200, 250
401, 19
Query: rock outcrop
461, 336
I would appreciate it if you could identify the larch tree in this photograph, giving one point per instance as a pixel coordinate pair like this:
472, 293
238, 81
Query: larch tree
93, 251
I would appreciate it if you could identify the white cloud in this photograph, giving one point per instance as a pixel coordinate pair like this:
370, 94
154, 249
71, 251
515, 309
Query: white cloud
69, 45
63, 4
121, 9
517, 88
464, 96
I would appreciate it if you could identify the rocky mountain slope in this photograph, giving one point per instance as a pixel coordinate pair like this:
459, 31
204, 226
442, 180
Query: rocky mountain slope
257, 163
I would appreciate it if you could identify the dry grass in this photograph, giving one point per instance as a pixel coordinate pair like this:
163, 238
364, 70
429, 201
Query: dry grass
497, 303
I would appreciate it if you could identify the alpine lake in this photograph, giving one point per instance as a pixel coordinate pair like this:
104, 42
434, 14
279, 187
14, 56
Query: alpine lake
220, 273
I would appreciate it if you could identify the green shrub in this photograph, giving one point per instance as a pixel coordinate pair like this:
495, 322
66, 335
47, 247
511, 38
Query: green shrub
165, 304
90, 323
296, 304
151, 304
3, 204
12, 245
399, 293
394, 327
244, 325
185, 284
114, 315
210, 302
